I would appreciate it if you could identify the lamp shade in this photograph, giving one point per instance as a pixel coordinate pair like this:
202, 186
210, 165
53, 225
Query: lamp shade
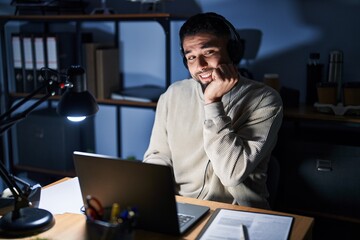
77, 104
77, 101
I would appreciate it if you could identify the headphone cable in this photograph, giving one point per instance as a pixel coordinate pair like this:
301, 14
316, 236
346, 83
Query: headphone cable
203, 185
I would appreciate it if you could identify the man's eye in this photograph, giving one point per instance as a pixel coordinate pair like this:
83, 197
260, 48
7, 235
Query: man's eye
209, 52
190, 58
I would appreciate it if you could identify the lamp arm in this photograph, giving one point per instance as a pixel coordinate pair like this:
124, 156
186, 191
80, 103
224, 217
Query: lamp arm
21, 199
5, 175
12, 120
51, 87
22, 101
6, 121
49, 84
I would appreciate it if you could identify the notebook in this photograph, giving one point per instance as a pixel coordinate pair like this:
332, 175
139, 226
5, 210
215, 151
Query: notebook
148, 187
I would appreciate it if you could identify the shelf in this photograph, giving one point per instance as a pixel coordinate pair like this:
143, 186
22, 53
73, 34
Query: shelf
89, 17
163, 19
99, 101
45, 171
76, 21
127, 103
304, 112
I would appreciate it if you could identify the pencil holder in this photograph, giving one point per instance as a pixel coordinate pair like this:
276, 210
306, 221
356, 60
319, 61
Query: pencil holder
105, 230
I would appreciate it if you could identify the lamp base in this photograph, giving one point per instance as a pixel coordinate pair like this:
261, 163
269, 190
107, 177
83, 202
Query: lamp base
7, 204
31, 221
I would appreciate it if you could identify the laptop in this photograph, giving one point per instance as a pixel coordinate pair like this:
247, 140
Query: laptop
148, 187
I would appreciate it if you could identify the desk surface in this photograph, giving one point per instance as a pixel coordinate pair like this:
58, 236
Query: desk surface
72, 226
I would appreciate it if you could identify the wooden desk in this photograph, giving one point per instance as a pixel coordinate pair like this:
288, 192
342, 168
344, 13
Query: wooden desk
72, 226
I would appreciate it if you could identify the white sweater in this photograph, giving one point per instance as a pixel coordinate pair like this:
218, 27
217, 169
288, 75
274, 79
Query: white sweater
218, 151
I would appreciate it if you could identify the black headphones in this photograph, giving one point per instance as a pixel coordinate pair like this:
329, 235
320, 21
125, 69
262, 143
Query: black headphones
235, 45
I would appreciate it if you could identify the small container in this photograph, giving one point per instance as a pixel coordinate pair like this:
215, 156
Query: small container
335, 73
335, 66
327, 93
272, 80
314, 74
351, 94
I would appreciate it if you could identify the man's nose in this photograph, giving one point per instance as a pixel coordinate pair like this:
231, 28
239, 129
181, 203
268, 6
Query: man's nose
201, 62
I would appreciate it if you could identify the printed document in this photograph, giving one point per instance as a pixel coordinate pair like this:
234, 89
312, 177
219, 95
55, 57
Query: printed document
239, 225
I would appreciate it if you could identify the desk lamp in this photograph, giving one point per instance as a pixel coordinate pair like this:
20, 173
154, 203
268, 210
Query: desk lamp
76, 102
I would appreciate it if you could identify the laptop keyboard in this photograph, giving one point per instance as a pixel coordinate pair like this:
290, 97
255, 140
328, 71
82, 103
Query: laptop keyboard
183, 219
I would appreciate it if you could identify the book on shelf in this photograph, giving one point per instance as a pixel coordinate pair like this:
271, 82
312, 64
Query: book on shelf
143, 93
107, 71
89, 57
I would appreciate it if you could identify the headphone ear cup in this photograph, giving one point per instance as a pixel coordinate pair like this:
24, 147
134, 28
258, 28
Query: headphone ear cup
236, 49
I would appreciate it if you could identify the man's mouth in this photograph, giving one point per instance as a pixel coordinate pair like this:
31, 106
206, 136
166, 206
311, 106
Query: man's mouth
206, 76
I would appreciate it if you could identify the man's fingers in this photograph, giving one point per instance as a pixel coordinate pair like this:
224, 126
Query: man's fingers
225, 72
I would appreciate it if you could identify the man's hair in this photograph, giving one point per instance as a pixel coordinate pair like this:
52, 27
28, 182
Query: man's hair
216, 25
211, 23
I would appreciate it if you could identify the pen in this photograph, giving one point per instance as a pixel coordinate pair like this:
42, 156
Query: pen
93, 208
115, 209
242, 233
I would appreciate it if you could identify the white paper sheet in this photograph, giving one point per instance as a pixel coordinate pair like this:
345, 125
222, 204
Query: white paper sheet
64, 197
239, 225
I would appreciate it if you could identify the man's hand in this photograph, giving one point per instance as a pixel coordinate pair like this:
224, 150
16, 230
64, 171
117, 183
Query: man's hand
225, 77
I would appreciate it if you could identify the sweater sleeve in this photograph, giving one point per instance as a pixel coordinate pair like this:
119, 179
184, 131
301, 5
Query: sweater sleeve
237, 144
158, 151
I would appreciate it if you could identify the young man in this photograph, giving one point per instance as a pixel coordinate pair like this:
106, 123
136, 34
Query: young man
216, 130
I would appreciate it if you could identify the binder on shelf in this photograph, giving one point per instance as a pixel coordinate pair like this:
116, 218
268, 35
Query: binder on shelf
39, 54
107, 72
65, 50
60, 52
144, 93
51, 56
17, 62
29, 81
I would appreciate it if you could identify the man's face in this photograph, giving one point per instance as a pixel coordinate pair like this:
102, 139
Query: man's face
204, 52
